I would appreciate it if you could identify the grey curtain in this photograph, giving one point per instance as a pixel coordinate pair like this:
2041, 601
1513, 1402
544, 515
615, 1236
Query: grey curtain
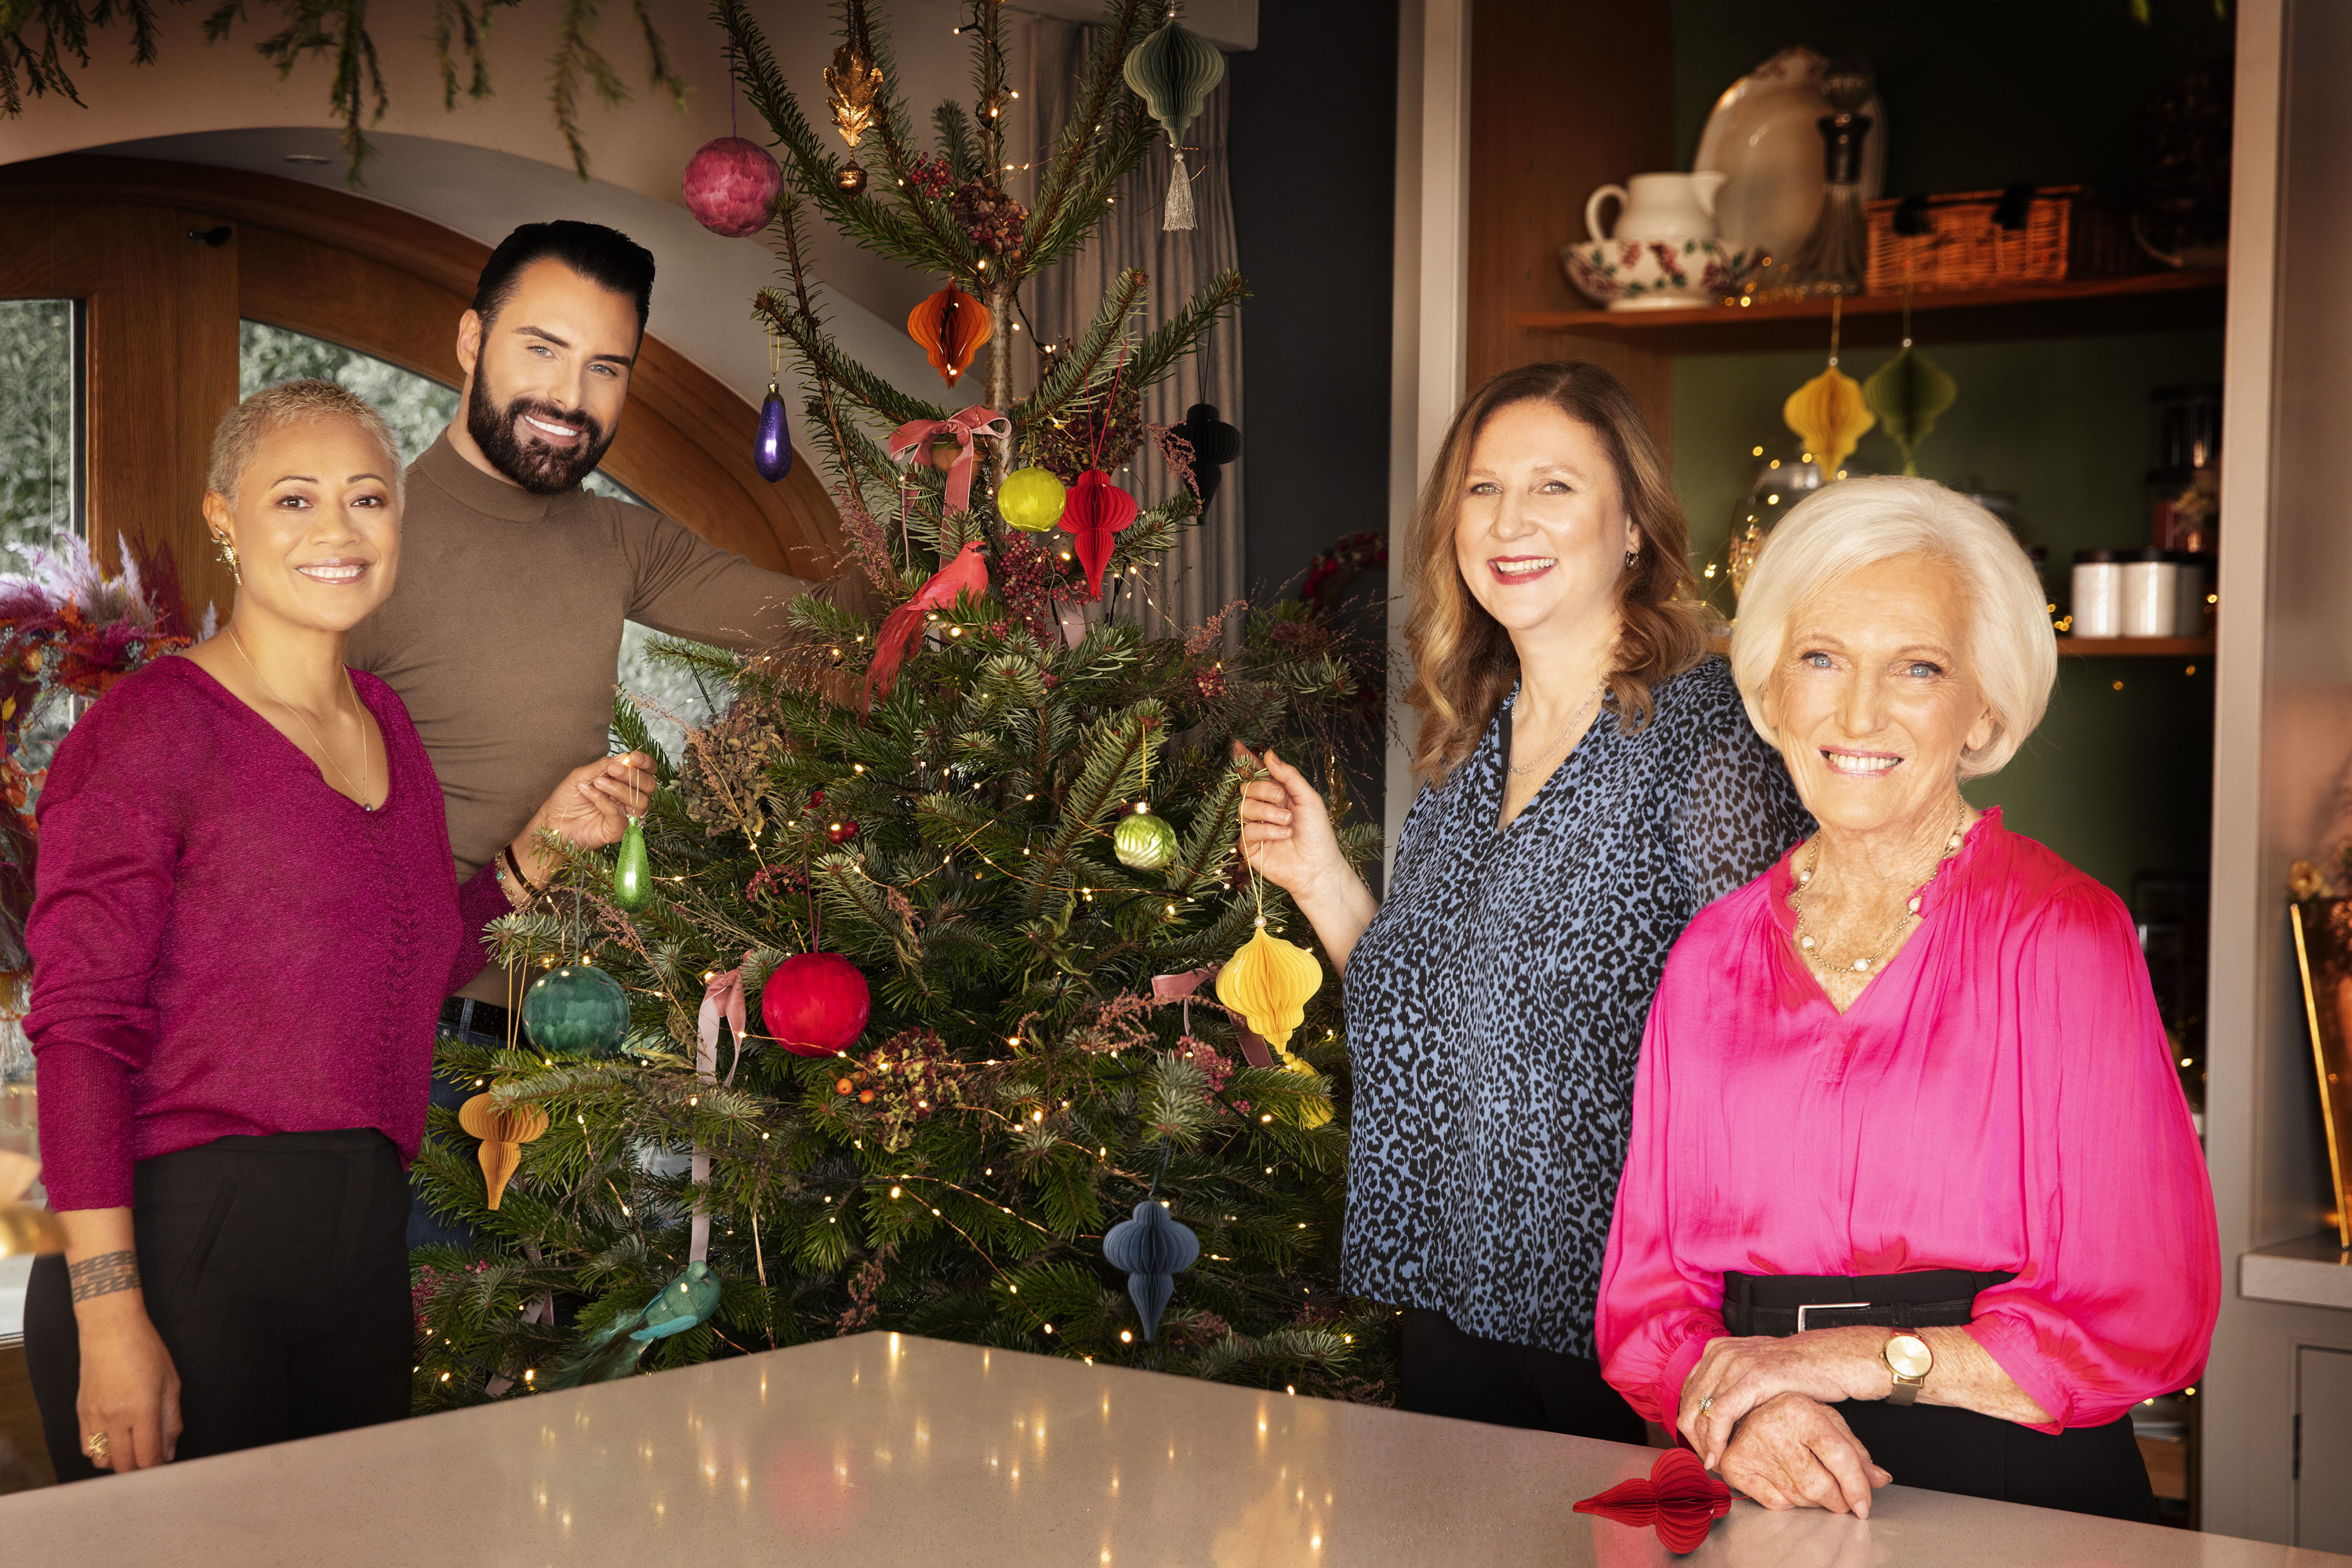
1205, 573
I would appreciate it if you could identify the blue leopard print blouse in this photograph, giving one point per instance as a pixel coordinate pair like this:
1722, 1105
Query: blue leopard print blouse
1495, 1004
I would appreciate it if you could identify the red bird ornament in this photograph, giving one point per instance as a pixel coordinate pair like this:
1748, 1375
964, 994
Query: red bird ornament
967, 574
1096, 510
1680, 1498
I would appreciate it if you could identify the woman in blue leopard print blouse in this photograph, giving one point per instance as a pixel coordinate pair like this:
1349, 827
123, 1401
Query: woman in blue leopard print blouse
1593, 782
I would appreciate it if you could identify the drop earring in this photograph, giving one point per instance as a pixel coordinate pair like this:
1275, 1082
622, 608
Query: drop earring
228, 558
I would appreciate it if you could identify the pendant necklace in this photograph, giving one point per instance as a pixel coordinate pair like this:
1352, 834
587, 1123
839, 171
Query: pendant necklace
366, 750
1805, 942
1574, 720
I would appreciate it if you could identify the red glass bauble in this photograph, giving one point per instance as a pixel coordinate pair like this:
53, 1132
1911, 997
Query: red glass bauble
730, 185
816, 1004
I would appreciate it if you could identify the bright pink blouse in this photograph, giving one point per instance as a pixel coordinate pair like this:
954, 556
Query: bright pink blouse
2002, 1097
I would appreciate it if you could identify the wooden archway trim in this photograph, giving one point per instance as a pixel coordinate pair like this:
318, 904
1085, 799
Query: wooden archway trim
391, 284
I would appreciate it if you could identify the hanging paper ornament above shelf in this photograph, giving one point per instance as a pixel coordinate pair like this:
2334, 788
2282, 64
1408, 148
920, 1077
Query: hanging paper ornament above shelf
950, 328
1031, 499
816, 1004
633, 872
1215, 444
1144, 842
1268, 983
1096, 510
1153, 1249
577, 1010
1174, 71
729, 185
503, 1129
773, 454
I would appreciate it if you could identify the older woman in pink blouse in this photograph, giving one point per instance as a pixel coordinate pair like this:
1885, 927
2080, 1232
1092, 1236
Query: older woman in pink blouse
1912, 1194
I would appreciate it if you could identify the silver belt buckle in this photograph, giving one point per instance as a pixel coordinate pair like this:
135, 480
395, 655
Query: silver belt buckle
1824, 1307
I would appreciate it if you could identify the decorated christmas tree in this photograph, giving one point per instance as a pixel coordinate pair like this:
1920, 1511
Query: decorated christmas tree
931, 994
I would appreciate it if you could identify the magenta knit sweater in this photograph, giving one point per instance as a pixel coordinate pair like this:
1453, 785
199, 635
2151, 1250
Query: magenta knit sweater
223, 944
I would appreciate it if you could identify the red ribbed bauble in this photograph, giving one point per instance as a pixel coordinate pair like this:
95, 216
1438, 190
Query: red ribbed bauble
816, 1004
730, 185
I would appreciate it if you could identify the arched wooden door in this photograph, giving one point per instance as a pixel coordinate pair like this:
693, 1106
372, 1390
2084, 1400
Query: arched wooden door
166, 257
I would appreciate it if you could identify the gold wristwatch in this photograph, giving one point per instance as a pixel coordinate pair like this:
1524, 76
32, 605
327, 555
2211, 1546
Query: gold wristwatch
1910, 1361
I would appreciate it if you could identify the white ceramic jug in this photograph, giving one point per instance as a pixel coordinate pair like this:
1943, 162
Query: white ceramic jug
1659, 207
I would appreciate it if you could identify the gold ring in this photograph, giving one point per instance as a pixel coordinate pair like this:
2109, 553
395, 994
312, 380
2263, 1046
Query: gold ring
95, 1446
1703, 1404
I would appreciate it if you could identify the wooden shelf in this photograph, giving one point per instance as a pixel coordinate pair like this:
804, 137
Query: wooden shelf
2135, 647
2075, 308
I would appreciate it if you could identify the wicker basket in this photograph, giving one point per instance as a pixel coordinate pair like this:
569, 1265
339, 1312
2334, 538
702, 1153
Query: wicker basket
2068, 233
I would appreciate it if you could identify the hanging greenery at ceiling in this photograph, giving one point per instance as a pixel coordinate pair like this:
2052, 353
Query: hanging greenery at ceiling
42, 42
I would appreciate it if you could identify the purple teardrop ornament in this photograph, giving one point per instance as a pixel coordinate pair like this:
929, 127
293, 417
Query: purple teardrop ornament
773, 456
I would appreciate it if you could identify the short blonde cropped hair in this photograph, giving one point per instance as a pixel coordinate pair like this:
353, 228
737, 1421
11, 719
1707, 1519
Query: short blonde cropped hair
1844, 527
242, 429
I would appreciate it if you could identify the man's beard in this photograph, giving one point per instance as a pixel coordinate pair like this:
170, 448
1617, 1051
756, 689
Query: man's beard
531, 462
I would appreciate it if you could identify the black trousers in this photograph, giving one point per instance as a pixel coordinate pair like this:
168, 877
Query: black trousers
1449, 1372
275, 1270
2082, 1470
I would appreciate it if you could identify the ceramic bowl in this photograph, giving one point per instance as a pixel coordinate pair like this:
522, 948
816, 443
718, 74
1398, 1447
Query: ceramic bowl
1657, 274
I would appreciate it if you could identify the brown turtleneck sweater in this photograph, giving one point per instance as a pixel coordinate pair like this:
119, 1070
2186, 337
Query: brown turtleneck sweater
504, 632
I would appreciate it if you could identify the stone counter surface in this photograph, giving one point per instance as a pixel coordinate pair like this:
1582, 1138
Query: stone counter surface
885, 1448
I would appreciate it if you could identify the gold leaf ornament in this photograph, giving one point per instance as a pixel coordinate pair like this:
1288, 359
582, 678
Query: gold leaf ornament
1268, 983
1908, 394
1829, 416
852, 85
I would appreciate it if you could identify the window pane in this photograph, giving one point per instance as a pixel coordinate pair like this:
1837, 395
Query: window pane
419, 408
38, 466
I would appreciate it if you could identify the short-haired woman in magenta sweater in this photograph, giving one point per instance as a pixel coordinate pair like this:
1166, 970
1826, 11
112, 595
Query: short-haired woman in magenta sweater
243, 918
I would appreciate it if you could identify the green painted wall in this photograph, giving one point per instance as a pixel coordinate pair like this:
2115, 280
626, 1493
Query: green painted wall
1979, 93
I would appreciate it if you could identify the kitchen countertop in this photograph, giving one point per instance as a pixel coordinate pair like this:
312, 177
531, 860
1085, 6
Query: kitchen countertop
886, 1448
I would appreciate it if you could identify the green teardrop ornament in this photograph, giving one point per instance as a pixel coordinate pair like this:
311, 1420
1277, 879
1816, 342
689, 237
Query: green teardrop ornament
576, 1010
1144, 842
633, 870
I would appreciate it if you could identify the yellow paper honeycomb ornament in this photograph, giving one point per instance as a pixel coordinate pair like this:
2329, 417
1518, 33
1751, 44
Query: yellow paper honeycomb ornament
1268, 983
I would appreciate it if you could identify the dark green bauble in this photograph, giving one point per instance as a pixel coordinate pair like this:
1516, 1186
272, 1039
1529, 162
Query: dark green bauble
578, 1010
1144, 842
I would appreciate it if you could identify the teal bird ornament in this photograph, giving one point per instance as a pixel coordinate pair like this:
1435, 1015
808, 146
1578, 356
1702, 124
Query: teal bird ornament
612, 1352
1174, 71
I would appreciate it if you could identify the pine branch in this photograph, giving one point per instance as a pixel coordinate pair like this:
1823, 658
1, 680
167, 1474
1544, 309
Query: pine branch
1084, 363
1176, 339
1078, 156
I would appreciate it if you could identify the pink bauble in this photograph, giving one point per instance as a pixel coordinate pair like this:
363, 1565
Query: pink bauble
816, 1004
730, 185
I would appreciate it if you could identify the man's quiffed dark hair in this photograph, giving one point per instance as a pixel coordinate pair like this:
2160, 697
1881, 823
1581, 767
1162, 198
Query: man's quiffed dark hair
605, 257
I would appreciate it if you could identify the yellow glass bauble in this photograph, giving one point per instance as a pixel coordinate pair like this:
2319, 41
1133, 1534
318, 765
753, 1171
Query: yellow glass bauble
1031, 499
1268, 983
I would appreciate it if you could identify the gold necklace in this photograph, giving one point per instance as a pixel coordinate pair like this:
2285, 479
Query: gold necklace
1573, 720
1806, 944
366, 750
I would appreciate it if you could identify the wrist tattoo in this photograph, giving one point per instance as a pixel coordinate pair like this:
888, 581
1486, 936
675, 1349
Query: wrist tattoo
103, 1275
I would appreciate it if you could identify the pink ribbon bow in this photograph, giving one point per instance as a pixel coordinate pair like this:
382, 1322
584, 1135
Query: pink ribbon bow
1180, 987
915, 437
722, 997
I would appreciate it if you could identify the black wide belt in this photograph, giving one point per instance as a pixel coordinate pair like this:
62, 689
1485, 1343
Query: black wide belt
1778, 1305
463, 1014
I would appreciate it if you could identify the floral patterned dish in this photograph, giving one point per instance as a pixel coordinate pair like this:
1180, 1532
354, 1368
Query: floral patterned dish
1657, 274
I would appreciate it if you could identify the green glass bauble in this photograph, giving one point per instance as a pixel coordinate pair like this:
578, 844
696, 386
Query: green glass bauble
633, 870
1031, 499
578, 1010
1144, 842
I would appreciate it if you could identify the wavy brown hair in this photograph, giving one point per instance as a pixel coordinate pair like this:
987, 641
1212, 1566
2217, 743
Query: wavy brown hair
1463, 660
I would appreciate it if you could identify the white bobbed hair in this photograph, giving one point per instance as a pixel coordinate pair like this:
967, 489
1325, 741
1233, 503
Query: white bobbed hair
1843, 527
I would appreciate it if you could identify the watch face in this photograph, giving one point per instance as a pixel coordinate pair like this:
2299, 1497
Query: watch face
1909, 1356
